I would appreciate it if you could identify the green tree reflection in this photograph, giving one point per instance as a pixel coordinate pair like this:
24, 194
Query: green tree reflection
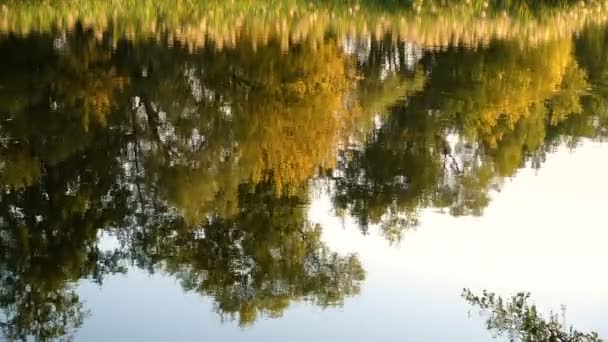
520, 320
256, 262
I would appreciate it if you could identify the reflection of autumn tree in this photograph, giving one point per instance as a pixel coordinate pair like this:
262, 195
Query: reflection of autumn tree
514, 95
194, 132
480, 116
520, 320
256, 262
291, 115
234, 137
502, 83
219, 119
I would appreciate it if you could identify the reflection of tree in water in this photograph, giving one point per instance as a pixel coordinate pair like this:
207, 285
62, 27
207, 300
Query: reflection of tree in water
520, 320
232, 158
431, 23
199, 163
480, 116
48, 239
256, 262
158, 160
58, 185
236, 115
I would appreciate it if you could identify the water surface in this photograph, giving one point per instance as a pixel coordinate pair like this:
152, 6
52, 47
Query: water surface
351, 172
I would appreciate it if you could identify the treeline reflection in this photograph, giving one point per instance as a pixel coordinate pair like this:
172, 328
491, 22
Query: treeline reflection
434, 24
201, 163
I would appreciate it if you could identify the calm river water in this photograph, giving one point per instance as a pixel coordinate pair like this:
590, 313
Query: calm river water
290, 171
